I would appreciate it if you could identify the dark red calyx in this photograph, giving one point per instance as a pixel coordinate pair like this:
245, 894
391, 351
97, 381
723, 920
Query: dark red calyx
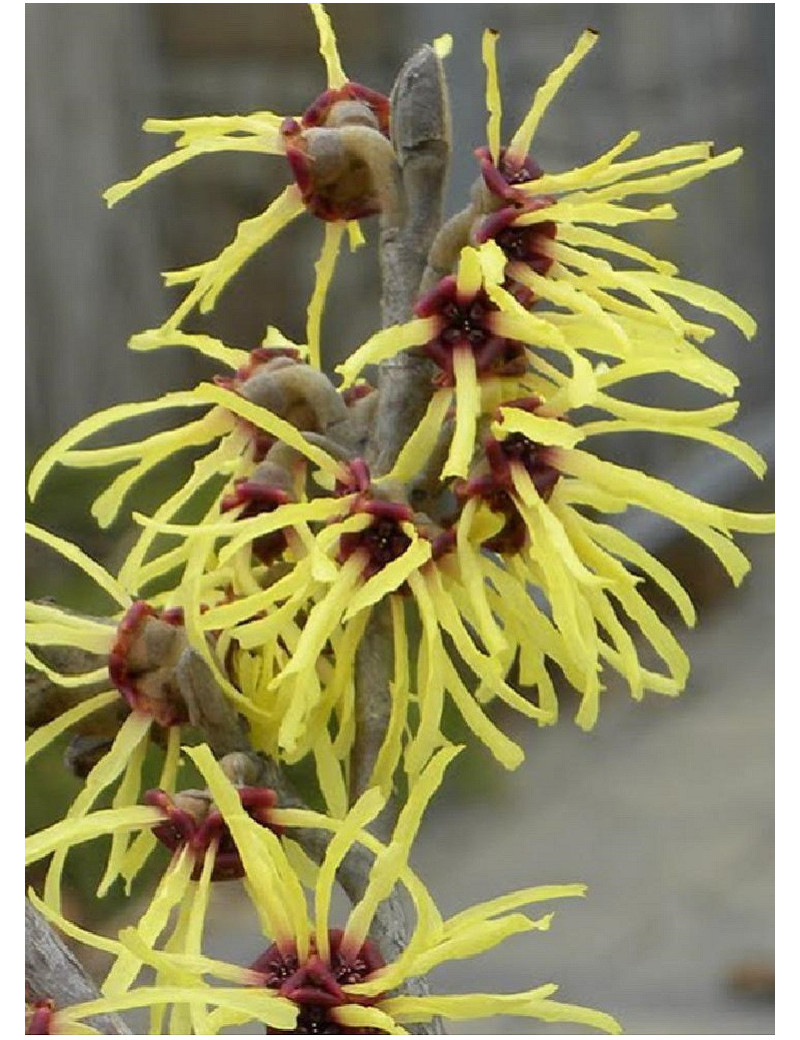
384, 539
509, 171
316, 985
319, 111
257, 499
380, 543
466, 324
194, 822
38, 1017
494, 484
354, 478
142, 660
356, 393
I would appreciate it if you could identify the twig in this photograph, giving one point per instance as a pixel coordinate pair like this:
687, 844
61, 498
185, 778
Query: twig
421, 131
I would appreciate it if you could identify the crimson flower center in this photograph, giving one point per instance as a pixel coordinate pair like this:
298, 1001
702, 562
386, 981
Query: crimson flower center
315, 985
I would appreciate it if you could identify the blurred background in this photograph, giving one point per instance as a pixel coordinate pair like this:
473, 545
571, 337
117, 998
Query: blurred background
666, 809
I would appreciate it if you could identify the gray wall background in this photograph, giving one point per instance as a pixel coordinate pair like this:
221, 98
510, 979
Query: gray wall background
677, 72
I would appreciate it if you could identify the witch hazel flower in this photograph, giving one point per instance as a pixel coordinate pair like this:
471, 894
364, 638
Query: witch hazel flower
315, 977
546, 223
339, 155
371, 549
270, 393
537, 482
140, 705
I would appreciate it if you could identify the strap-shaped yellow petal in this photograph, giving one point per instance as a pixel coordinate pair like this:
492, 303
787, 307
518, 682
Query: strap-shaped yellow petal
89, 566
327, 46
520, 143
494, 104
390, 578
385, 344
86, 828
468, 408
324, 268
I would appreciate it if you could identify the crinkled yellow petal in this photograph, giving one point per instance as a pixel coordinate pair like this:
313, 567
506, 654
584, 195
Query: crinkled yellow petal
277, 900
127, 795
327, 46
133, 731
581, 176
134, 572
363, 812
664, 182
330, 776
526, 490
512, 901
261, 1004
94, 640
324, 617
718, 438
699, 296
420, 445
674, 155
391, 749
617, 542
576, 210
534, 1004
353, 1016
430, 680
469, 273
479, 939
266, 144
594, 239
598, 273
291, 514
177, 963
45, 735
74, 931
724, 548
564, 294
385, 344
75, 555
192, 127
389, 865
68, 681
265, 420
716, 415
355, 235
473, 577
494, 104
144, 843
170, 891
660, 496
622, 588
468, 408
100, 421
521, 141
208, 346
389, 578
515, 322
507, 753
483, 666
324, 268
86, 828
250, 236
168, 442
538, 428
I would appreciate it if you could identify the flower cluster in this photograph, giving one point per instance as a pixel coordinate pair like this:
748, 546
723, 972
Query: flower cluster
480, 562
